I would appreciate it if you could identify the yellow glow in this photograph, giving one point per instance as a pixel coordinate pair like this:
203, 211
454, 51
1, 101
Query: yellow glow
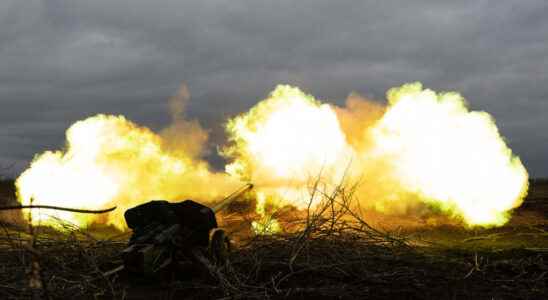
423, 147
267, 224
284, 141
111, 161
451, 157
290, 135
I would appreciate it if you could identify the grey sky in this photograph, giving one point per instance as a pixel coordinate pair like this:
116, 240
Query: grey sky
61, 61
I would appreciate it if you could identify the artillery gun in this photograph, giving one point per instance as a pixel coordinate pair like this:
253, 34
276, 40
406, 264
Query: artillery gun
165, 234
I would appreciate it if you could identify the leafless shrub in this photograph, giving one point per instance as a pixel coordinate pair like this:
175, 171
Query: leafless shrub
332, 253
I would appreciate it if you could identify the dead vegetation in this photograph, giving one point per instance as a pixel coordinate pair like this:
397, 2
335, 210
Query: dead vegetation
332, 253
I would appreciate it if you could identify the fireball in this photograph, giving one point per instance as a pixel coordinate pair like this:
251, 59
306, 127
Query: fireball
448, 156
422, 147
111, 161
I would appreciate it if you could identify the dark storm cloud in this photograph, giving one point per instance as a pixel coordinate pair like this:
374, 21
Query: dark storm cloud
61, 61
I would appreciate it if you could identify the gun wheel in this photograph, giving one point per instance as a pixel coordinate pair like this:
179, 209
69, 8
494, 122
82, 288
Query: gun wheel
219, 246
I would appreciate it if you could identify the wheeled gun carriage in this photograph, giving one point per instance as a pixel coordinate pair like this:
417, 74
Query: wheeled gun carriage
165, 234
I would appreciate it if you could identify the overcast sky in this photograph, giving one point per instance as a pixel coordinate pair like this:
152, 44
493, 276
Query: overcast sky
61, 61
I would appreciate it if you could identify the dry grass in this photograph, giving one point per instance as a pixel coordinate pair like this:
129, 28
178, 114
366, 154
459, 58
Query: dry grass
332, 253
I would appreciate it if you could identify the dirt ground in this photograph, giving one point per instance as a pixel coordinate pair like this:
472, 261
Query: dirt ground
348, 259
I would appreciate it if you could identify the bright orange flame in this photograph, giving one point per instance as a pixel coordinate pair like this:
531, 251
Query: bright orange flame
283, 142
449, 156
423, 147
111, 161
290, 135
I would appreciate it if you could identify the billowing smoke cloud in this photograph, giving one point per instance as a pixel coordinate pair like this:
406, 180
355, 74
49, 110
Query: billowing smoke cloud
183, 136
109, 160
422, 149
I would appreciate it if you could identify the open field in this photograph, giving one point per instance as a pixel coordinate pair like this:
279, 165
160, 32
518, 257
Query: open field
325, 258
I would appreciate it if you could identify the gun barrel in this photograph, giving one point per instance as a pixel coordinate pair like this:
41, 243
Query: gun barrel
219, 206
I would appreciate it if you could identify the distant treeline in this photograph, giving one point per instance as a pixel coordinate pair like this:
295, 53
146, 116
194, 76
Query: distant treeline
538, 181
7, 186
